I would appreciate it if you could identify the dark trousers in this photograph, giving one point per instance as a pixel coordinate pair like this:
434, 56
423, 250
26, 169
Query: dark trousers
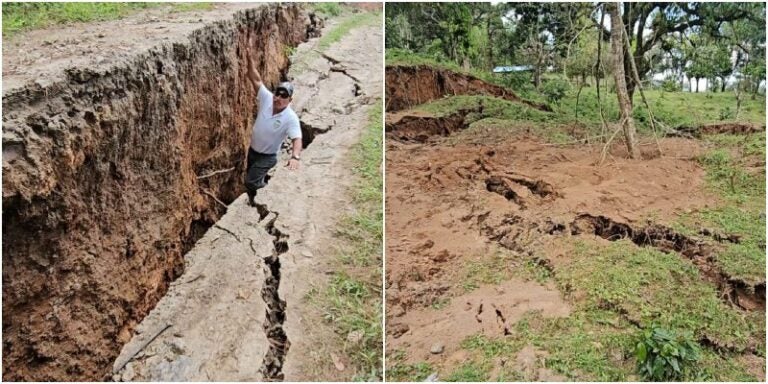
256, 173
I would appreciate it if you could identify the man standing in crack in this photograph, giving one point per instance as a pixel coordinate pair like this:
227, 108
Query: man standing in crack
274, 122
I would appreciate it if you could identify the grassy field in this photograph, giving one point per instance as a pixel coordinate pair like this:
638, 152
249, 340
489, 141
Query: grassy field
570, 122
19, 17
351, 303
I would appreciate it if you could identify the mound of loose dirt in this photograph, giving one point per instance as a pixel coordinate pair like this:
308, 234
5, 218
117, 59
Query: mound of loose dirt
408, 86
110, 177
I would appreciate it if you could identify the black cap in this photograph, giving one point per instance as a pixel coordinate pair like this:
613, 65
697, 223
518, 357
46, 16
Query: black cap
288, 87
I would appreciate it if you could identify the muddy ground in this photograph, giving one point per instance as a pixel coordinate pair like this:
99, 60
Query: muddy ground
125, 151
479, 224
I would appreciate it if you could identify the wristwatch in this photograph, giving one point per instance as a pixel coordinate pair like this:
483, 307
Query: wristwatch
295, 157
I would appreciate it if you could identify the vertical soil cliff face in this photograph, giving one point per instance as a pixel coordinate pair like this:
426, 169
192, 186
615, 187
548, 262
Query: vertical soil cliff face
408, 86
110, 177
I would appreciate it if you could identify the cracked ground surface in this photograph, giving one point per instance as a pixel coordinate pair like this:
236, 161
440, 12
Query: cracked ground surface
486, 241
226, 314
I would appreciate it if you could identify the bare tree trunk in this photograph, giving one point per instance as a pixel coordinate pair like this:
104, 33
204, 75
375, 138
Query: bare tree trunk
625, 105
490, 42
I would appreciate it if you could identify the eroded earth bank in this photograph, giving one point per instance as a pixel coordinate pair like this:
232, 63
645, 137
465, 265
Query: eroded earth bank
113, 172
510, 258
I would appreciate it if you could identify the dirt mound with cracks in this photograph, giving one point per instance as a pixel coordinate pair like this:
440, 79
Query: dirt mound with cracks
450, 208
110, 176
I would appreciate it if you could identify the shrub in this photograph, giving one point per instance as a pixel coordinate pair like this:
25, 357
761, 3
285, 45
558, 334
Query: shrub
330, 9
663, 355
670, 85
726, 113
517, 81
555, 90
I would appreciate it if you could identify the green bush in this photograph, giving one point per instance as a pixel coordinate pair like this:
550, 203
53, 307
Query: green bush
517, 81
663, 355
555, 90
670, 85
726, 113
329, 9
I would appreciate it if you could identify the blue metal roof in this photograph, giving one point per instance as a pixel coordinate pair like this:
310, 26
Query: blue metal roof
513, 68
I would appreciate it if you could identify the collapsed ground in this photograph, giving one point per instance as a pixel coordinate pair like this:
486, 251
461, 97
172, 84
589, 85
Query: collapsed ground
114, 169
512, 255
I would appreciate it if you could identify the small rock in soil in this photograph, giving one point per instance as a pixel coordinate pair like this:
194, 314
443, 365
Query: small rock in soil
400, 329
437, 348
337, 362
441, 256
355, 337
177, 345
128, 373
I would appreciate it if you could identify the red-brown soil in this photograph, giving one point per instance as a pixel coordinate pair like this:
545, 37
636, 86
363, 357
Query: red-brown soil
102, 192
449, 205
424, 84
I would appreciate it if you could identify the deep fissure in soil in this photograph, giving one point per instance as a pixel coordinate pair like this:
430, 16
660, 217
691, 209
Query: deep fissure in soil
101, 188
272, 365
421, 128
736, 291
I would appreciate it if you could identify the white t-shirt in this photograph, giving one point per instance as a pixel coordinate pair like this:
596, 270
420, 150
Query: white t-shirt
269, 131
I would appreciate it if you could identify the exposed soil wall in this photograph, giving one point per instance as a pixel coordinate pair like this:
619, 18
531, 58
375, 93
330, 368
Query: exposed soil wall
102, 194
731, 128
408, 86
422, 128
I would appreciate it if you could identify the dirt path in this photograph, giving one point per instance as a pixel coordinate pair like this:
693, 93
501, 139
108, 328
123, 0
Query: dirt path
238, 312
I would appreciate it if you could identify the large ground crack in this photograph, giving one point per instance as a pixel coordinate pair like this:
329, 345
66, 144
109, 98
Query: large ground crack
421, 128
310, 132
272, 365
734, 290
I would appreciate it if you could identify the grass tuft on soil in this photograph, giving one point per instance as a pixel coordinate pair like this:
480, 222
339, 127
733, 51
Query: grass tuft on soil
18, 16
351, 302
399, 370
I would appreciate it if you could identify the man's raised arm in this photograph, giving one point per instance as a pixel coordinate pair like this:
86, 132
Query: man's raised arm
253, 74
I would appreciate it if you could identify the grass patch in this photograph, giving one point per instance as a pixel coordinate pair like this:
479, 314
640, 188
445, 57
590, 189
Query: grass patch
18, 17
500, 266
356, 20
589, 345
352, 300
472, 371
597, 341
491, 269
327, 9
732, 174
646, 283
398, 370
673, 109
745, 260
